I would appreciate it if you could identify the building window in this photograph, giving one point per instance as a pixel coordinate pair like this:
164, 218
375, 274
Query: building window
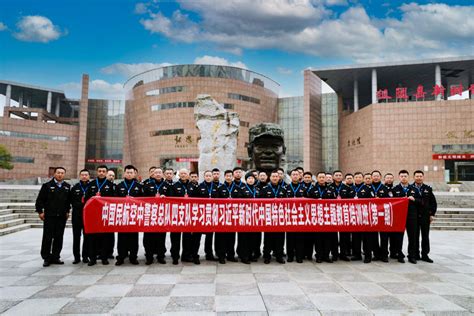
244, 124
34, 136
23, 159
165, 90
167, 106
165, 132
228, 106
241, 97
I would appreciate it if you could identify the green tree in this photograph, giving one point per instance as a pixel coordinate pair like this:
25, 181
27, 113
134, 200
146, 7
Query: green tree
5, 158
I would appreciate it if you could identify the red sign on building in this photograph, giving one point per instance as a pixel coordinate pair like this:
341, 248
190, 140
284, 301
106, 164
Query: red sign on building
104, 160
453, 156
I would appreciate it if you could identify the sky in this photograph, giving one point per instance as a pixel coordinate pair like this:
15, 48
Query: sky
52, 43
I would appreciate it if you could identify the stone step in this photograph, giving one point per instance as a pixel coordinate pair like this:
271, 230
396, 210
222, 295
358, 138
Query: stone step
4, 218
40, 225
460, 222
467, 228
5, 211
14, 229
12, 222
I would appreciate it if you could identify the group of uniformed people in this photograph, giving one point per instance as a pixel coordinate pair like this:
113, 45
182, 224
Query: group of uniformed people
56, 198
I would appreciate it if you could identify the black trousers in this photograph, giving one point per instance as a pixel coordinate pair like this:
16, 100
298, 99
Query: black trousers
356, 244
154, 244
256, 245
412, 234
396, 244
295, 243
423, 234
244, 245
273, 242
383, 247
345, 244
97, 246
371, 242
127, 245
195, 244
187, 246
323, 245
208, 242
77, 234
109, 243
175, 245
53, 232
333, 244
225, 245
309, 245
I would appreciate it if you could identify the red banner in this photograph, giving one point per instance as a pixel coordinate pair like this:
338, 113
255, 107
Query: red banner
156, 214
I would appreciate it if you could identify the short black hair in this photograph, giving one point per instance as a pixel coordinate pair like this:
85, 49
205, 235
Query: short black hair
388, 174
129, 167
336, 171
367, 174
151, 168
372, 173
403, 171
328, 173
275, 171
237, 168
280, 169
84, 170
228, 171
260, 172
294, 170
349, 175
418, 171
193, 172
307, 173
207, 171
299, 168
320, 172
358, 172
169, 169
102, 167
216, 170
56, 168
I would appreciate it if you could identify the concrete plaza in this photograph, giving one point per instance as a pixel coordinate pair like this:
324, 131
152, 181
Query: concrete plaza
445, 287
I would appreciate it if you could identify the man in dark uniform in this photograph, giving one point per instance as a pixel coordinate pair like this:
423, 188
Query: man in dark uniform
127, 243
78, 197
403, 189
309, 237
246, 240
262, 180
361, 191
182, 188
237, 174
100, 244
209, 240
273, 241
295, 240
205, 189
426, 206
342, 192
323, 241
155, 243
194, 178
281, 174
52, 205
380, 191
169, 174
225, 242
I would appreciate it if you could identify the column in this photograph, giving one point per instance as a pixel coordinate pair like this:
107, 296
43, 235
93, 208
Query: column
48, 103
438, 79
356, 95
57, 110
8, 95
374, 86
20, 100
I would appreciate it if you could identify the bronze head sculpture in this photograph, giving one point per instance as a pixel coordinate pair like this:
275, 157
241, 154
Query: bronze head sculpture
266, 146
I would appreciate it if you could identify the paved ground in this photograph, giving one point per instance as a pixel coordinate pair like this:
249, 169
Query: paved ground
443, 288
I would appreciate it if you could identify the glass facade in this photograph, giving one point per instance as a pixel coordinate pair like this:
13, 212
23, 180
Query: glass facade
290, 118
23, 159
105, 131
210, 71
164, 132
173, 105
165, 90
245, 98
34, 136
330, 132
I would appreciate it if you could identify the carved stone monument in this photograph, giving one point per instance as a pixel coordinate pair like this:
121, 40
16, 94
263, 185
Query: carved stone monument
219, 129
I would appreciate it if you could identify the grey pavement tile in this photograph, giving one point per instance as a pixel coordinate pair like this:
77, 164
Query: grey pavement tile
143, 290
197, 278
205, 289
60, 291
79, 279
113, 290
158, 279
466, 302
140, 305
404, 288
119, 279
383, 302
6, 304
315, 288
235, 289
236, 278
280, 288
363, 288
19, 292
190, 304
271, 277
96, 305
429, 302
248, 303
39, 306
288, 303
336, 302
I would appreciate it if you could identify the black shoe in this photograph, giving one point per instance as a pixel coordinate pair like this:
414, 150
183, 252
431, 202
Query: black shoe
384, 259
186, 259
76, 261
175, 261
110, 256
57, 261
134, 261
356, 258
105, 262
221, 260
328, 260
334, 258
290, 259
426, 259
46, 263
345, 258
232, 259
197, 261
280, 260
266, 260
92, 263
245, 261
148, 261
85, 260
253, 258
412, 260
393, 257
319, 260
119, 262
401, 260
367, 260
299, 260
211, 258
161, 260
